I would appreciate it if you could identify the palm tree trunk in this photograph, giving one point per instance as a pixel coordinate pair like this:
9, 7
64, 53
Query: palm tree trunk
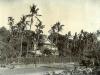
31, 22
52, 49
21, 45
20, 53
36, 49
27, 48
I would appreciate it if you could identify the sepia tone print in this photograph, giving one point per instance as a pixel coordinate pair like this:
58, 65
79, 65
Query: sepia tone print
49, 37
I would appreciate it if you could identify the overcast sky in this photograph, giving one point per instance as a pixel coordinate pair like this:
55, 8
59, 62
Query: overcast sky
74, 14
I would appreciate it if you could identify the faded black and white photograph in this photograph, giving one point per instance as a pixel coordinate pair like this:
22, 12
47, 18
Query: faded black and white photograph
49, 37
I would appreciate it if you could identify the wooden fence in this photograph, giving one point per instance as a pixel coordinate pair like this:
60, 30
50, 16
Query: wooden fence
41, 60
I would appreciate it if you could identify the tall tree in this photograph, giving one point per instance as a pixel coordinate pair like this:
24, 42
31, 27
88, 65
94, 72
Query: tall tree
56, 37
39, 32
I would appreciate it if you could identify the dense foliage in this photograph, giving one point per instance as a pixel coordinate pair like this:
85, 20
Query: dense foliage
21, 41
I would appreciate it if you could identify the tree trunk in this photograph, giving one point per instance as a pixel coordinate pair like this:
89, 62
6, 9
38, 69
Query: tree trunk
20, 53
21, 45
27, 48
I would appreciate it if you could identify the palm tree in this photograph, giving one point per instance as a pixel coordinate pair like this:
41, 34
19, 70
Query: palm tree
55, 29
34, 10
74, 44
21, 25
33, 13
52, 31
68, 43
10, 21
12, 32
58, 28
39, 32
39, 29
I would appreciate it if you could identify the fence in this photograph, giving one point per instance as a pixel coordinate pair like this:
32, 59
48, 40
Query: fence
48, 60
42, 60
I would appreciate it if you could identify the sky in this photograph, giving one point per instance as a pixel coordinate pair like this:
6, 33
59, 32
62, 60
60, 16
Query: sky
74, 14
